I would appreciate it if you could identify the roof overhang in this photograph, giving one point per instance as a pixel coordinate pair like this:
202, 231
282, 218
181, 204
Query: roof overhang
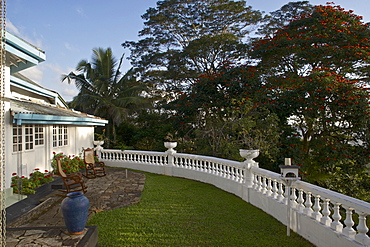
21, 54
27, 118
27, 112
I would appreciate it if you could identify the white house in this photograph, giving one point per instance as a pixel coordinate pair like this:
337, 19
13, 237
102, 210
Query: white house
38, 121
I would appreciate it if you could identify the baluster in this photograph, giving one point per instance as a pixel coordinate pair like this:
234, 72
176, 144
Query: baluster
264, 185
280, 196
348, 230
235, 174
293, 198
300, 201
255, 181
362, 229
196, 164
316, 208
326, 213
274, 189
336, 224
226, 169
269, 188
308, 210
259, 189
241, 175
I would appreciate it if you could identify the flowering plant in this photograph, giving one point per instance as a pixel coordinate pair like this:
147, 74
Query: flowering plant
25, 185
70, 163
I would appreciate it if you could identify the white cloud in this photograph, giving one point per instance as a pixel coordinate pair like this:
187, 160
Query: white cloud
56, 68
81, 12
20, 31
36, 74
70, 47
69, 92
11, 28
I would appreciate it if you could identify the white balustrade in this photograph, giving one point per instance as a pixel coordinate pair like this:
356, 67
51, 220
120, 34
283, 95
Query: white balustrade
317, 204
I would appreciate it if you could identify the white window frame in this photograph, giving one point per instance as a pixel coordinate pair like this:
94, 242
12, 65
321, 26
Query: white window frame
60, 135
28, 137
39, 135
17, 138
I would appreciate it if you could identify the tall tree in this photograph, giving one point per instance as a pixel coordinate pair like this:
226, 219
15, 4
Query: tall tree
104, 91
183, 39
316, 69
226, 111
280, 18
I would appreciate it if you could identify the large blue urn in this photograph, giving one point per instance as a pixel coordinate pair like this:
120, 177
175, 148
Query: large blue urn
75, 209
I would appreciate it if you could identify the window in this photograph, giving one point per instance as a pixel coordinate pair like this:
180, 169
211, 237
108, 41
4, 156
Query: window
60, 135
39, 135
28, 129
65, 135
17, 138
55, 137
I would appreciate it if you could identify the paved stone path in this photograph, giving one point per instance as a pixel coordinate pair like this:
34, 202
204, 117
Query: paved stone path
104, 193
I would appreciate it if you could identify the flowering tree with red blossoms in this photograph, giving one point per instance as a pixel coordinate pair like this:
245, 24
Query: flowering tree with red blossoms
316, 70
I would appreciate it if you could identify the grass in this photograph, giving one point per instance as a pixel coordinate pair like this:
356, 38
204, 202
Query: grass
181, 212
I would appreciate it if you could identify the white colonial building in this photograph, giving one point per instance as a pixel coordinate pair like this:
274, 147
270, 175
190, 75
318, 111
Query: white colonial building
38, 121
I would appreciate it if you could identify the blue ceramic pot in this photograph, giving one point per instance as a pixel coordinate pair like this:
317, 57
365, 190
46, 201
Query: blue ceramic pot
75, 209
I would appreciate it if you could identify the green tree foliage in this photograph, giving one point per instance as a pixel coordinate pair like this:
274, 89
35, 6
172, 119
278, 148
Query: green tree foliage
226, 111
104, 91
316, 69
183, 39
280, 18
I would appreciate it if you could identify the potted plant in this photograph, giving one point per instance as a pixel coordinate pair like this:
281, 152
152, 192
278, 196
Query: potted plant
170, 143
249, 149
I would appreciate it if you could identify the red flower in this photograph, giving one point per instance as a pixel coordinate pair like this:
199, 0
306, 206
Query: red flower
14, 174
22, 177
46, 171
36, 169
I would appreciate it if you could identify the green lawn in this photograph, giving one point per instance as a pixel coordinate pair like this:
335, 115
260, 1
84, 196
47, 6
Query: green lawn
180, 212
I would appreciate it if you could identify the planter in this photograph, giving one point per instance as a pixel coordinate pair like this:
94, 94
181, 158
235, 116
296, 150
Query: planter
75, 209
98, 143
170, 146
249, 155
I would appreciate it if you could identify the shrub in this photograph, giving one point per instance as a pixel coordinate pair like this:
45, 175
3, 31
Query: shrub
25, 185
70, 164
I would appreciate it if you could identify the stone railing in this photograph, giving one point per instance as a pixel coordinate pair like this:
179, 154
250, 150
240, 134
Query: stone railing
323, 217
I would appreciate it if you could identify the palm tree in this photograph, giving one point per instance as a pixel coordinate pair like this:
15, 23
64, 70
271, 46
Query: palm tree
104, 91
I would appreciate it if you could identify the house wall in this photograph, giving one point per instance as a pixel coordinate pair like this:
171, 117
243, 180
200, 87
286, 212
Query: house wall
24, 162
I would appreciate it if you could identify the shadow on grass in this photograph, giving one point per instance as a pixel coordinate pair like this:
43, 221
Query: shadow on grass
182, 212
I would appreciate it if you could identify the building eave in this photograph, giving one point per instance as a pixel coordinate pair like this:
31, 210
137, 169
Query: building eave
28, 118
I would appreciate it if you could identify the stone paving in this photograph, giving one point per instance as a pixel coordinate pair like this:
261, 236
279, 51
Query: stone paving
104, 193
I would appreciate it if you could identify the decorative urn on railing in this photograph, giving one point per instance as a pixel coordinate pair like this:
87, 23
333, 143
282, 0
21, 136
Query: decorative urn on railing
249, 155
99, 142
170, 144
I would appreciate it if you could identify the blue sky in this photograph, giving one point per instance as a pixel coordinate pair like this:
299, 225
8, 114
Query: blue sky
68, 30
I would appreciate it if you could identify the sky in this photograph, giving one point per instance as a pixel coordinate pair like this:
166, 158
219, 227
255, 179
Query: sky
69, 30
